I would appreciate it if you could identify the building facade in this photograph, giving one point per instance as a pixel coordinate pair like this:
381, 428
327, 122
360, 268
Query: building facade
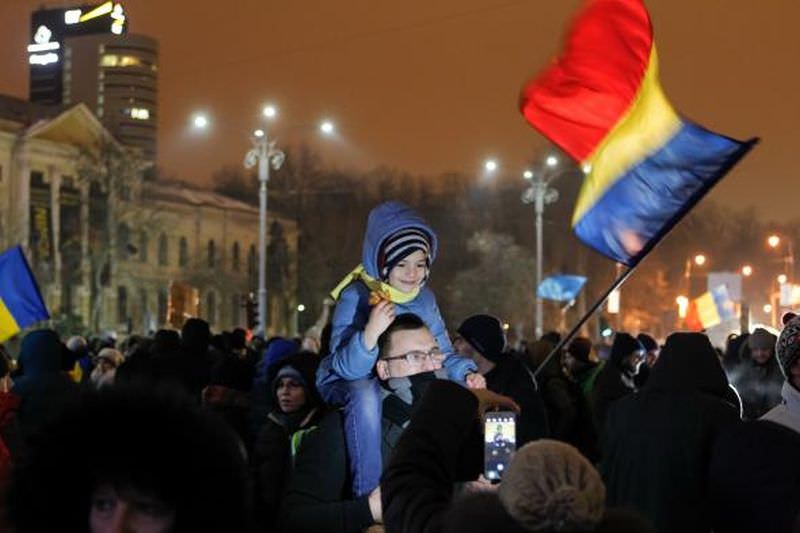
110, 251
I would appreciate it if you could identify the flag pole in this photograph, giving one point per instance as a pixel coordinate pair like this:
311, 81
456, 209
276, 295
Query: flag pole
564, 340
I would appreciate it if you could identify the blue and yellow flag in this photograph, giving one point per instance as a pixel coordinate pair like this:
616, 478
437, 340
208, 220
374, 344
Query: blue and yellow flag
21, 302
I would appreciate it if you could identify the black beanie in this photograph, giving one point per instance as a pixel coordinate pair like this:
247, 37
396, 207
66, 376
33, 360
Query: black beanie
580, 348
485, 334
647, 341
624, 345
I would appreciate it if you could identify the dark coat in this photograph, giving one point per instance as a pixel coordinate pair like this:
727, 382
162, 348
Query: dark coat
754, 480
318, 495
657, 444
433, 453
44, 390
511, 378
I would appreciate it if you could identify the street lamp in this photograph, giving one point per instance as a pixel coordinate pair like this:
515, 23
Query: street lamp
700, 260
540, 194
782, 278
774, 241
747, 271
490, 165
266, 155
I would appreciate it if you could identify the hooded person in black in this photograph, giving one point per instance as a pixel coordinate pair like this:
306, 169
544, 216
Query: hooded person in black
616, 379
657, 443
43, 387
281, 434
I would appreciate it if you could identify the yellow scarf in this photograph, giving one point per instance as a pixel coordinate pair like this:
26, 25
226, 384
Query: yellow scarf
379, 288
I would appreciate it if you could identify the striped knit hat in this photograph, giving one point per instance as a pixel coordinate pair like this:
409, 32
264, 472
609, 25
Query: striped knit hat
400, 245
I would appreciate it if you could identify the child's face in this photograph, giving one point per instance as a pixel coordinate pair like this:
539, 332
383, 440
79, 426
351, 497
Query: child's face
409, 273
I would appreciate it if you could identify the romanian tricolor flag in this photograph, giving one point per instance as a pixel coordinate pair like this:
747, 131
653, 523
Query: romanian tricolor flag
601, 102
21, 302
711, 308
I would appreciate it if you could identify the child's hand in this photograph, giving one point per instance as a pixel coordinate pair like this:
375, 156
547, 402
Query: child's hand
379, 319
475, 381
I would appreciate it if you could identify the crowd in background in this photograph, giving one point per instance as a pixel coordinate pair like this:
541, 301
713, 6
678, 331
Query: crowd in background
189, 431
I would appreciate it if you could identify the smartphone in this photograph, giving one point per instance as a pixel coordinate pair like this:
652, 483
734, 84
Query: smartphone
499, 442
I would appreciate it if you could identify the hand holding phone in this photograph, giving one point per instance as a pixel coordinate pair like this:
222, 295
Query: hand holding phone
500, 442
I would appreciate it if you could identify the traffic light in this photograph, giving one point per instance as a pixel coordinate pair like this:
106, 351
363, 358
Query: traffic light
251, 310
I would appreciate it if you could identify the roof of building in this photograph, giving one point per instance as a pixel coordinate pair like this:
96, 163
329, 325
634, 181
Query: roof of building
177, 191
24, 112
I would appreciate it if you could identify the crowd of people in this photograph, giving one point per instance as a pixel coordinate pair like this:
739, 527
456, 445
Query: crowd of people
373, 422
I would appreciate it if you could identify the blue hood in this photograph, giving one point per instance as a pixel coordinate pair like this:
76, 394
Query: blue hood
384, 220
41, 353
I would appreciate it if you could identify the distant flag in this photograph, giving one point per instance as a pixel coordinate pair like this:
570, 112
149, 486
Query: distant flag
21, 302
601, 102
710, 309
561, 288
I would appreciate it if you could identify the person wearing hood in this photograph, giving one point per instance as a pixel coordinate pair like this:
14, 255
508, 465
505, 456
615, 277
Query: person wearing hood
657, 442
399, 249
482, 339
758, 378
616, 379
650, 357
319, 496
44, 389
297, 411
762, 491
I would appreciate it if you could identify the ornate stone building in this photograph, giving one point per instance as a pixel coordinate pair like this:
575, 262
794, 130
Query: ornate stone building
108, 249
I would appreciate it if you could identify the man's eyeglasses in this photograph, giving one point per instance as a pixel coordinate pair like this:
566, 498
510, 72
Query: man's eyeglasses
418, 357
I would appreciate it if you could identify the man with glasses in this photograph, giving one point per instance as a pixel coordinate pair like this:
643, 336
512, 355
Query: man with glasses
319, 496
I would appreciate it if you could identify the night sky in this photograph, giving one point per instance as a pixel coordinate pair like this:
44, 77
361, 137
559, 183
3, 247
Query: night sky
430, 87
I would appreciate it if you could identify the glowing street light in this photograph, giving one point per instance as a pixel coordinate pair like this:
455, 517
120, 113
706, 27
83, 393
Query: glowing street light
747, 271
200, 121
327, 127
773, 241
490, 165
782, 279
528, 174
700, 260
301, 308
269, 111
551, 161
259, 133
767, 308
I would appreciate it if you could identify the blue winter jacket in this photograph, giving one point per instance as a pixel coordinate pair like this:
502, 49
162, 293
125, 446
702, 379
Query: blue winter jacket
349, 359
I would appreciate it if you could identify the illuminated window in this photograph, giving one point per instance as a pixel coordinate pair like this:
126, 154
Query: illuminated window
114, 60
139, 113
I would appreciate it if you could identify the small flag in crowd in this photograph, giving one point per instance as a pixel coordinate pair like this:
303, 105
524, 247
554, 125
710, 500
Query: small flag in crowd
601, 102
561, 288
711, 308
21, 303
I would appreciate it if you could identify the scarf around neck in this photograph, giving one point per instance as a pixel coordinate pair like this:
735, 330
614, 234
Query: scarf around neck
377, 288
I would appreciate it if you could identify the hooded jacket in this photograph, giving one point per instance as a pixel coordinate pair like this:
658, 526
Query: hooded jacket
657, 443
349, 358
43, 388
613, 380
788, 412
273, 451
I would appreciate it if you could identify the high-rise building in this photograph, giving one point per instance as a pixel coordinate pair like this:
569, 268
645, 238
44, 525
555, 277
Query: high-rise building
85, 55
116, 77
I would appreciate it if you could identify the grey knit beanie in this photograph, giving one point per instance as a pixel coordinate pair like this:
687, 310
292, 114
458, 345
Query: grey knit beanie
788, 347
550, 486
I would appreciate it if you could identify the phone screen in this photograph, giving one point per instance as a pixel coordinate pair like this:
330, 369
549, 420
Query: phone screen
499, 444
